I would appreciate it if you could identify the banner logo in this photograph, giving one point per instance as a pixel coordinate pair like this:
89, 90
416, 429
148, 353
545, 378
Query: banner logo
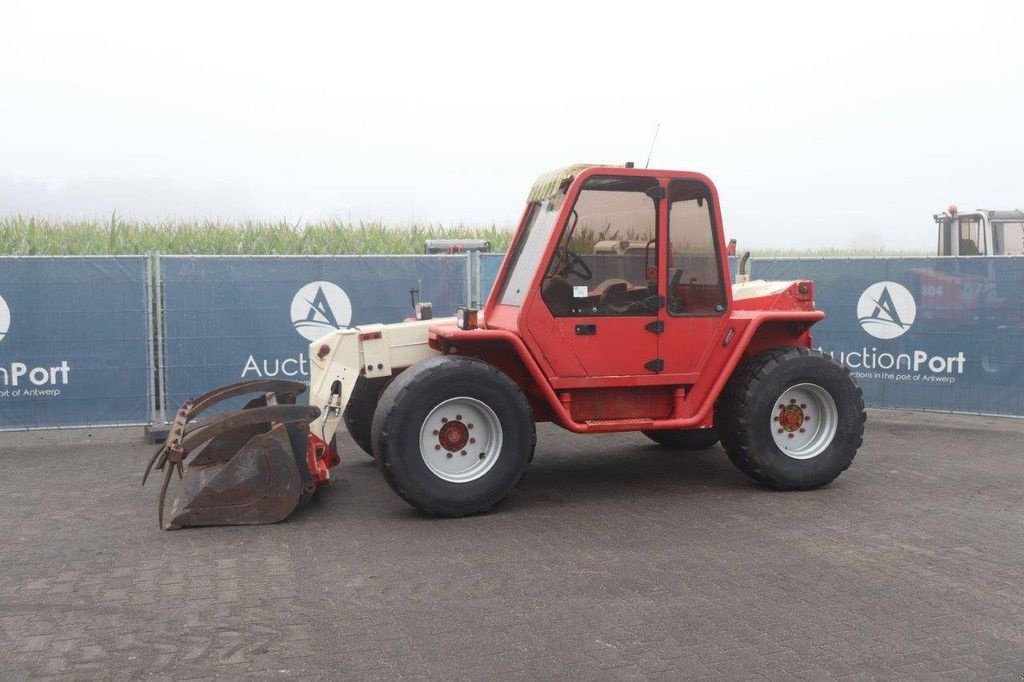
319, 308
5, 318
886, 310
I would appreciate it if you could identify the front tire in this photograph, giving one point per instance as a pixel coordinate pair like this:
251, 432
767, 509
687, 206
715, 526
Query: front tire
792, 418
453, 435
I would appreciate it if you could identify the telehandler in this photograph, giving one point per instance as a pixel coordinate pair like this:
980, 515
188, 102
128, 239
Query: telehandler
596, 340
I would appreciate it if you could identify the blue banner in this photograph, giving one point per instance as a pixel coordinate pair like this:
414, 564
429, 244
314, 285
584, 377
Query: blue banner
928, 333
74, 342
231, 318
490, 263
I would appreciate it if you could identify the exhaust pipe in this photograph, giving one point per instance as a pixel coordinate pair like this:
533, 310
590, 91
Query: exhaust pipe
742, 275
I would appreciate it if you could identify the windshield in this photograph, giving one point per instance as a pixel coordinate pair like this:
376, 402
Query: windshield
528, 249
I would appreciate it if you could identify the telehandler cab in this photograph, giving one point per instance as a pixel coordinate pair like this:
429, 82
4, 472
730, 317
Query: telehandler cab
649, 338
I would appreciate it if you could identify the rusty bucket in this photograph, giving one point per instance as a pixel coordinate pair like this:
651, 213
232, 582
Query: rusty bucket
243, 467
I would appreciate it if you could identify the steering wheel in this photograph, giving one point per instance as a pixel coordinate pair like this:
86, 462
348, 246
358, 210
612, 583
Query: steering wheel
673, 287
576, 266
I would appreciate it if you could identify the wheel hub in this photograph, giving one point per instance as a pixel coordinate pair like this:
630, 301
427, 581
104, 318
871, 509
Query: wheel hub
791, 417
453, 436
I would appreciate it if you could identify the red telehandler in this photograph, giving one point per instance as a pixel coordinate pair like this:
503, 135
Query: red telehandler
594, 339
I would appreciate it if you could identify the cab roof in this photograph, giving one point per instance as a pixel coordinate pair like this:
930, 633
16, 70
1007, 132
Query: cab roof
547, 185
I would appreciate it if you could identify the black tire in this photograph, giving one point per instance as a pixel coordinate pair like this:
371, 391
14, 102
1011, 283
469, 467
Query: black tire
358, 414
685, 439
745, 417
409, 400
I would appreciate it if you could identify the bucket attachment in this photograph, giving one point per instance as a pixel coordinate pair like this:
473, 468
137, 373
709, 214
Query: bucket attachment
252, 466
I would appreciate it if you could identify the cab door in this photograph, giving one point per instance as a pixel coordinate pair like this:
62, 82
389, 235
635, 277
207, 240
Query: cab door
599, 301
694, 275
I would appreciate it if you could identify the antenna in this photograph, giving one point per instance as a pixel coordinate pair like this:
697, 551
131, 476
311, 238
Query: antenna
657, 127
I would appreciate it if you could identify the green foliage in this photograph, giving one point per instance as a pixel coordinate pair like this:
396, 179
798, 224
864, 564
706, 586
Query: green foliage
32, 236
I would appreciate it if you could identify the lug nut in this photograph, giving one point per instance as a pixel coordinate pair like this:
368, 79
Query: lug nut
449, 455
463, 452
792, 401
458, 417
435, 432
472, 440
807, 418
775, 418
803, 430
780, 430
437, 447
803, 406
444, 420
791, 435
469, 426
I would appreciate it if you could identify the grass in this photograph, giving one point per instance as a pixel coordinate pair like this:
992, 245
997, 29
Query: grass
35, 236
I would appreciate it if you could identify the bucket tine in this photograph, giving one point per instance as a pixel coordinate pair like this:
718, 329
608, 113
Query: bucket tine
163, 495
173, 441
286, 392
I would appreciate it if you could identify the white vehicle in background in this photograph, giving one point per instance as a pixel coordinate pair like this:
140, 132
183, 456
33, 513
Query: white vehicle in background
981, 232
983, 296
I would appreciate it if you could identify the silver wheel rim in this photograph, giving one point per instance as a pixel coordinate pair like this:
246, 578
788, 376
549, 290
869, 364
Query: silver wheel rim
804, 421
460, 440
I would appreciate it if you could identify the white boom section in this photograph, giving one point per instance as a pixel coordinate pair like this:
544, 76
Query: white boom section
373, 351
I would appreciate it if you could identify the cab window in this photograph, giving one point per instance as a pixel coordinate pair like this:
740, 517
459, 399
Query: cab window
606, 262
1009, 238
528, 250
970, 237
695, 283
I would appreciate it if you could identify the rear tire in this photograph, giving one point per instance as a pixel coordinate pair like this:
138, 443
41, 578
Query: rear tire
358, 414
685, 439
792, 418
453, 435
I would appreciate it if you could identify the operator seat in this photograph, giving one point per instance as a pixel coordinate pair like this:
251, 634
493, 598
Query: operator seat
613, 293
557, 293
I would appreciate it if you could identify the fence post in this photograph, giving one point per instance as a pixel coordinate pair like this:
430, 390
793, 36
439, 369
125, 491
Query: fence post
157, 430
151, 339
474, 279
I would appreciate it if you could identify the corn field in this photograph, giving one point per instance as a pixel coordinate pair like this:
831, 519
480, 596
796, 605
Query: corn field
32, 236
35, 236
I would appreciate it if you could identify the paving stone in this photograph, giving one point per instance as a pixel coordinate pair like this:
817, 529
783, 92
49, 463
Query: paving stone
615, 560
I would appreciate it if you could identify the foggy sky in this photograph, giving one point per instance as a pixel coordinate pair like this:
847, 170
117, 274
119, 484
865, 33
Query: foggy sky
821, 123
